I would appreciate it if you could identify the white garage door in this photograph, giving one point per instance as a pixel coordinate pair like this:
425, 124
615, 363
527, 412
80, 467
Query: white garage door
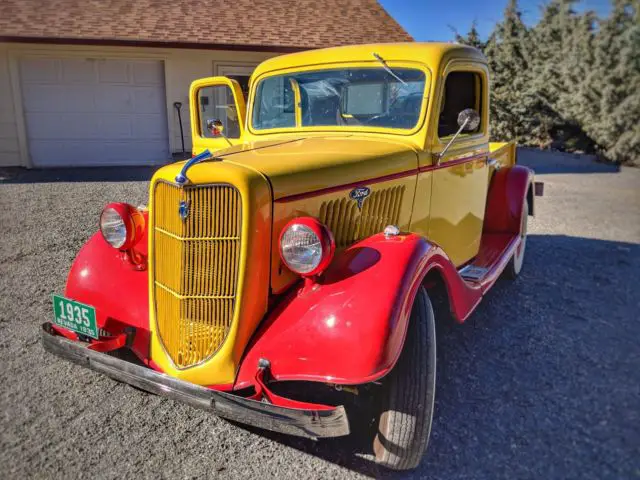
82, 112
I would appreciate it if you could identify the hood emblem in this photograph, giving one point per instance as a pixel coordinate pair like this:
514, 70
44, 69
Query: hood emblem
360, 194
183, 209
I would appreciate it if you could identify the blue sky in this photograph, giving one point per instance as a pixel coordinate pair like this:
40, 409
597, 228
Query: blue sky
429, 20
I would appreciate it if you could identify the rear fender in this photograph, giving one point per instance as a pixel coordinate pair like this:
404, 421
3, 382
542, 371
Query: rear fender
101, 276
349, 328
508, 189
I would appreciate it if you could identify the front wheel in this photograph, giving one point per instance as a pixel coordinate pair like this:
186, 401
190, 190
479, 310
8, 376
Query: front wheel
406, 412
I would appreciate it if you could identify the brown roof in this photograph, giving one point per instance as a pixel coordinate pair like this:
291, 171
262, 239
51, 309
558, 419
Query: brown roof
283, 24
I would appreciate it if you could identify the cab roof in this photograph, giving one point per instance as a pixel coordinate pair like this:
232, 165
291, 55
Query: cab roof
431, 54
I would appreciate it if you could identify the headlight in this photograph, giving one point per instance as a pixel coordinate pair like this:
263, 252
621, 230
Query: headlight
121, 225
306, 246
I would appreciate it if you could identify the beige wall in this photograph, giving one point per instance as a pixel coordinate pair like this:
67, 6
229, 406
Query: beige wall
181, 68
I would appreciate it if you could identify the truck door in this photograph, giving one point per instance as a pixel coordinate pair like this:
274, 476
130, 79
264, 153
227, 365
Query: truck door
218, 113
460, 177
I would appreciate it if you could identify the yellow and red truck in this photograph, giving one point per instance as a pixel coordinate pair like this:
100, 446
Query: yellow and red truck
288, 265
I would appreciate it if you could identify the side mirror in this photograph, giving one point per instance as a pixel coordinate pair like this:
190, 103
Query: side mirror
214, 125
468, 119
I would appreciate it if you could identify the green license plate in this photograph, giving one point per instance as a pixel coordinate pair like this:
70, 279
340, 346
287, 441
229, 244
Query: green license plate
75, 316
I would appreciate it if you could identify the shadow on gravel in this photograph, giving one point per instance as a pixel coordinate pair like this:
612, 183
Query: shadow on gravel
86, 174
528, 386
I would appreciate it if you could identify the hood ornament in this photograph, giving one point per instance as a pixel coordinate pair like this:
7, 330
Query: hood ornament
181, 178
360, 194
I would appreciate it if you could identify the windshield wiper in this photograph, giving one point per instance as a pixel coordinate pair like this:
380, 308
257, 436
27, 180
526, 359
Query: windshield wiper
386, 67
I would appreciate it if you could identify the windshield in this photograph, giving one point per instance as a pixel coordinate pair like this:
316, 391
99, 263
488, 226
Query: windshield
344, 97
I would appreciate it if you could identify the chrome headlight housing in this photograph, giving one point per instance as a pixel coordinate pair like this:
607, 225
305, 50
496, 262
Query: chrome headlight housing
306, 246
121, 225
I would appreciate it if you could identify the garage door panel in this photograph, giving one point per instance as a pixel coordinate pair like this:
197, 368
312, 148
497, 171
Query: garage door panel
57, 98
39, 70
114, 99
51, 152
148, 100
63, 126
118, 127
148, 73
96, 153
146, 126
95, 112
79, 71
113, 71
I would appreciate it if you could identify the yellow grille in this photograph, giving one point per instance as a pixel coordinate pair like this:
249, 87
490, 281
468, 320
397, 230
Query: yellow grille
350, 224
195, 268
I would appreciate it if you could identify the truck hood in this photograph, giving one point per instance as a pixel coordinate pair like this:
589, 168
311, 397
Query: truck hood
301, 165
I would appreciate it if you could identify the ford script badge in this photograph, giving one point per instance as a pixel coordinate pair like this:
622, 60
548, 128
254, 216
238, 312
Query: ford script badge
183, 209
360, 194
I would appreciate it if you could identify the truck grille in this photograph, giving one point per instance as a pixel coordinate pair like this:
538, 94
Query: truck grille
195, 268
350, 224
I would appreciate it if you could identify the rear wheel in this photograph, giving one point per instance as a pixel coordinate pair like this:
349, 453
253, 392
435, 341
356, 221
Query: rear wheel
406, 412
515, 264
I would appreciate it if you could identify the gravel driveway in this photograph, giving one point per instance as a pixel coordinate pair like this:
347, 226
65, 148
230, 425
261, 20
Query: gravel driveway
542, 382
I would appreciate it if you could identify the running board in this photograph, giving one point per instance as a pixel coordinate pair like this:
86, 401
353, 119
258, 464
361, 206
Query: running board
496, 249
473, 272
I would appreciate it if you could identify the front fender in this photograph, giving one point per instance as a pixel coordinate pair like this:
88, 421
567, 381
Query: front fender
100, 276
349, 328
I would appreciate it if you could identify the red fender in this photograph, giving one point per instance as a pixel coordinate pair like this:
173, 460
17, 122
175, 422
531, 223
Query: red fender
102, 277
509, 187
349, 328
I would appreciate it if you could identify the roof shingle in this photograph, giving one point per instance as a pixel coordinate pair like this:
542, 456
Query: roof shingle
288, 24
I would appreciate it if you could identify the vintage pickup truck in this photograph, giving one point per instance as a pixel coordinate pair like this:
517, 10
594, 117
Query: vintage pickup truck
282, 276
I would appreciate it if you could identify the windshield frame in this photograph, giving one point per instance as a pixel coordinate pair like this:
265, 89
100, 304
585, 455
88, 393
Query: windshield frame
373, 64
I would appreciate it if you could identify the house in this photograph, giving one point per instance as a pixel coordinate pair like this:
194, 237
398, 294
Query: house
98, 82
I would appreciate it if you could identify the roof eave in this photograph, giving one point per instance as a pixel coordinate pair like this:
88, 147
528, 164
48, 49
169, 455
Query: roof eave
153, 44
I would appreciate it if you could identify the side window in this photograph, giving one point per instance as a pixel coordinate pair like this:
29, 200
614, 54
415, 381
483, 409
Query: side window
217, 102
461, 90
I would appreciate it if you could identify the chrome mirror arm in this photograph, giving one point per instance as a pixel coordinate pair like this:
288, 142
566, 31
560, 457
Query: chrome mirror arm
444, 150
217, 125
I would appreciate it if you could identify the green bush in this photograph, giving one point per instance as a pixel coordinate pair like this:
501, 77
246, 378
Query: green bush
570, 82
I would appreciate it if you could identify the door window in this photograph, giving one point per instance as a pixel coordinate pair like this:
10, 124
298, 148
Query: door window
217, 103
461, 90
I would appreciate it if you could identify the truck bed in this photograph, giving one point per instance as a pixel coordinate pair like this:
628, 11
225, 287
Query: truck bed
503, 152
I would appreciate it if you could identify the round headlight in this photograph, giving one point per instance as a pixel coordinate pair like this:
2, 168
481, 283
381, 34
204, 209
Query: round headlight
306, 246
121, 225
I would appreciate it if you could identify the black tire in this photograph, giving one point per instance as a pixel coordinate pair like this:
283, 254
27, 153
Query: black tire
404, 424
514, 267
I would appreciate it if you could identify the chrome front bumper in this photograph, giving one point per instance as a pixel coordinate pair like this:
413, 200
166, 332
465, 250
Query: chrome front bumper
303, 423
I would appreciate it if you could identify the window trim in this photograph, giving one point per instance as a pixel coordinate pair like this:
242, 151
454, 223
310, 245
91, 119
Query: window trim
424, 107
463, 66
201, 133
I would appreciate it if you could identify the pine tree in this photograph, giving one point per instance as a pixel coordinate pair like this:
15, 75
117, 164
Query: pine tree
472, 38
515, 109
611, 113
572, 81
561, 60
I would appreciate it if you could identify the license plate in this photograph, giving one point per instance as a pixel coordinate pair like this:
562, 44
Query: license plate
75, 316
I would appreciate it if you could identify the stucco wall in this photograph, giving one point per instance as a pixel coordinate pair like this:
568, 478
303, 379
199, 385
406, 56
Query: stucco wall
181, 68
